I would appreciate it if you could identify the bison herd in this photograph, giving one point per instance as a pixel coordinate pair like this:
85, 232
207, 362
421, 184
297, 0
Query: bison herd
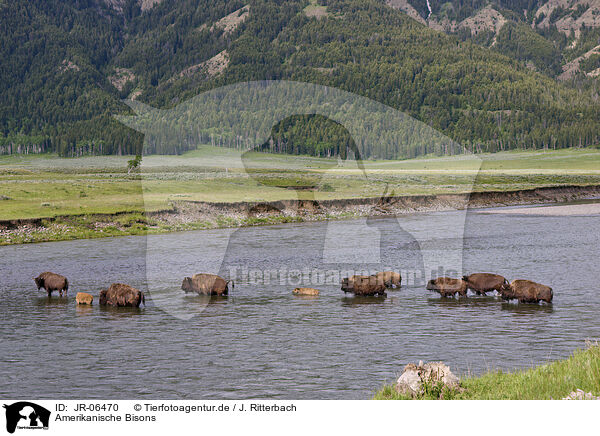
121, 295
525, 291
117, 294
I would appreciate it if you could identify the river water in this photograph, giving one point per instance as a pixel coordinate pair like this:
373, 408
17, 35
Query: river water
263, 342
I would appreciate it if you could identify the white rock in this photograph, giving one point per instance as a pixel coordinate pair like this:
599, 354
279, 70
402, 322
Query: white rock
581, 395
434, 372
410, 383
412, 379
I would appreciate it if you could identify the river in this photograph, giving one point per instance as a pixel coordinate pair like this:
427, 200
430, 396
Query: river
263, 342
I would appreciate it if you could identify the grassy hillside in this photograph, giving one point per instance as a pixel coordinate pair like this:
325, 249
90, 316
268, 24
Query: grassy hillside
554, 380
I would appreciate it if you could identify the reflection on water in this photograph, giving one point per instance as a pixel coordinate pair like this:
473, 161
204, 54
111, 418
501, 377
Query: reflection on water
362, 300
469, 301
306, 297
53, 301
262, 341
527, 309
203, 300
121, 312
84, 310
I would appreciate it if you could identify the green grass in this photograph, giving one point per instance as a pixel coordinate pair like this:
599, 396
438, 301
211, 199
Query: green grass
553, 380
46, 186
95, 226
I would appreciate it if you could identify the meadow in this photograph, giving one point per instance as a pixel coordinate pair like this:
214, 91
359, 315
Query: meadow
46, 186
96, 196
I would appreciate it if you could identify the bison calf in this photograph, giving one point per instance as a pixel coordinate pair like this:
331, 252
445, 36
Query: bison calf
207, 284
84, 298
480, 283
363, 285
526, 291
305, 291
52, 282
121, 295
448, 287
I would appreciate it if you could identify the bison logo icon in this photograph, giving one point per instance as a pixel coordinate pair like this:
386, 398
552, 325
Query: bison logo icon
26, 415
241, 117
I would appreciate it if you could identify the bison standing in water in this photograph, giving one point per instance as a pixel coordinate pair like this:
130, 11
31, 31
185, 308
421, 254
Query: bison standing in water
526, 291
52, 282
207, 284
447, 286
481, 283
363, 285
121, 295
84, 298
389, 278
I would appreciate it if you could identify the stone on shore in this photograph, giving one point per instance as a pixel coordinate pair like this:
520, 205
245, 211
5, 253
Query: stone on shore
581, 395
433, 373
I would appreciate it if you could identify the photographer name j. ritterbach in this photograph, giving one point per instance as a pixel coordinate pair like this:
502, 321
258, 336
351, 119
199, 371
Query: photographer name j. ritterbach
189, 408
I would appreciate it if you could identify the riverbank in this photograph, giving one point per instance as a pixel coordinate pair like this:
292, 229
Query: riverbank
555, 380
196, 215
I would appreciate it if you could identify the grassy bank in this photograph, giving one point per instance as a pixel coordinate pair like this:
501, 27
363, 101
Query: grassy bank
48, 186
93, 226
553, 380
95, 196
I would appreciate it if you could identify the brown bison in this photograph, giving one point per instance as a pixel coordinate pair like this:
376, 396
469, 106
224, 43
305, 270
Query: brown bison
52, 282
448, 287
363, 285
389, 278
526, 291
481, 283
207, 284
83, 298
122, 295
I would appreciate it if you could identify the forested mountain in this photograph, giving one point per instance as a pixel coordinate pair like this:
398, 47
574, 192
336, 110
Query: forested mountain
65, 66
548, 35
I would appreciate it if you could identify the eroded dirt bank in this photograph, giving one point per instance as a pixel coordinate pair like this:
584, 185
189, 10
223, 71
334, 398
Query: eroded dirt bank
308, 210
188, 215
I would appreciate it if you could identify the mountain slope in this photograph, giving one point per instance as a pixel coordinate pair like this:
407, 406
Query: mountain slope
545, 34
67, 65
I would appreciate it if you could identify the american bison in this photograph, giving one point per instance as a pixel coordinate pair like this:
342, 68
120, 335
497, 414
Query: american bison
119, 294
84, 298
363, 285
526, 291
389, 278
207, 284
448, 287
481, 283
305, 291
52, 282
